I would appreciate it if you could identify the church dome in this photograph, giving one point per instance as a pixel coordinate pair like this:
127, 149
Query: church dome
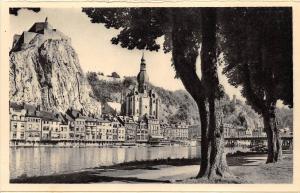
142, 77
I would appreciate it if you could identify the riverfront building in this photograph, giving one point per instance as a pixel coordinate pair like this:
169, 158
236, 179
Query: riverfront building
179, 132
33, 125
17, 122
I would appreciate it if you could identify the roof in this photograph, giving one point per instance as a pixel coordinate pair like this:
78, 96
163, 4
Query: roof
73, 113
82, 117
31, 110
29, 107
68, 118
38, 27
46, 115
91, 119
16, 106
104, 121
62, 118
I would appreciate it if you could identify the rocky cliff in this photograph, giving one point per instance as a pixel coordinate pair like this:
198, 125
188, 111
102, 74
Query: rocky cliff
48, 74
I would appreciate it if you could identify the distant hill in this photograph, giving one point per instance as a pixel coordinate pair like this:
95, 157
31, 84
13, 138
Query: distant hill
179, 105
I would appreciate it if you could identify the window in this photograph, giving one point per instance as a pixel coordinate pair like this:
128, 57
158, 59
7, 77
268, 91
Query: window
14, 135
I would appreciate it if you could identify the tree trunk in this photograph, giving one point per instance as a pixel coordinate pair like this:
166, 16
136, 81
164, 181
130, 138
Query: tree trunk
273, 135
204, 165
184, 54
214, 151
217, 165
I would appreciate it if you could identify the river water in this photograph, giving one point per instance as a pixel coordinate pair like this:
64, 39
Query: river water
47, 160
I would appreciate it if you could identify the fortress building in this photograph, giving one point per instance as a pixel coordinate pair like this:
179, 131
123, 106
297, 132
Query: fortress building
142, 101
37, 34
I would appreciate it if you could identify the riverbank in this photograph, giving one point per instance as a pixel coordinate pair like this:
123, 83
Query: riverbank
247, 167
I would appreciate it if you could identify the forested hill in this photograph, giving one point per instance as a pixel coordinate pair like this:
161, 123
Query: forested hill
179, 105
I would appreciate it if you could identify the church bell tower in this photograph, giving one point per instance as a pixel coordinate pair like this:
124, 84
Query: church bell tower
143, 78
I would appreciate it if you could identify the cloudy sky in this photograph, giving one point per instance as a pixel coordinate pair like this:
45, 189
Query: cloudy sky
96, 53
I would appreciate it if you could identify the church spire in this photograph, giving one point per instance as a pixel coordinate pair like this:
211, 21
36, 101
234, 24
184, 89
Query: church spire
46, 23
142, 77
143, 63
143, 60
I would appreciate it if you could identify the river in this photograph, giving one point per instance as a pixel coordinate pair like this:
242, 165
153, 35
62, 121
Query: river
48, 160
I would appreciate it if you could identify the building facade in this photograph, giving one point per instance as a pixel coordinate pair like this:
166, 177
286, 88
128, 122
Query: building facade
142, 132
17, 123
33, 125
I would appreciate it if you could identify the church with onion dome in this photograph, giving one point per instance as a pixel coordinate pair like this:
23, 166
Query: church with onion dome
142, 101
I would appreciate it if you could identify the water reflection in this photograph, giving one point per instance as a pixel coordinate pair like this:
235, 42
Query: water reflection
47, 160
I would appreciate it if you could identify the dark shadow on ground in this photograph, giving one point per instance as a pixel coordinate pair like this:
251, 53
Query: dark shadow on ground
82, 178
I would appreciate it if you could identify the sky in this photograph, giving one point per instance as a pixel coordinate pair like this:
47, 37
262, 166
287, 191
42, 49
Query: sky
96, 53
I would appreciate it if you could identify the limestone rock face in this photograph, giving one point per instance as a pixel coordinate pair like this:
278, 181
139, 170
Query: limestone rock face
49, 74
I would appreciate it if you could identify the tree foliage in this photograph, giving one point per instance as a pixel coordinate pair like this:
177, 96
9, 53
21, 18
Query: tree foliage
15, 10
257, 47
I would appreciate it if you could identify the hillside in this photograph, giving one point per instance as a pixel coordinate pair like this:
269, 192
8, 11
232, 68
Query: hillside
178, 105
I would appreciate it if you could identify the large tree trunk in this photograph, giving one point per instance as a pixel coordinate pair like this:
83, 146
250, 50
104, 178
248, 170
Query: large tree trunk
217, 166
273, 135
204, 165
218, 163
184, 55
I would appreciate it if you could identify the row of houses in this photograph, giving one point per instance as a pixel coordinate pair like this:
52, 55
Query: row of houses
29, 124
233, 131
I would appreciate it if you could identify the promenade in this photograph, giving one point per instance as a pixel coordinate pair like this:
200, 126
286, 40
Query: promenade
246, 169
